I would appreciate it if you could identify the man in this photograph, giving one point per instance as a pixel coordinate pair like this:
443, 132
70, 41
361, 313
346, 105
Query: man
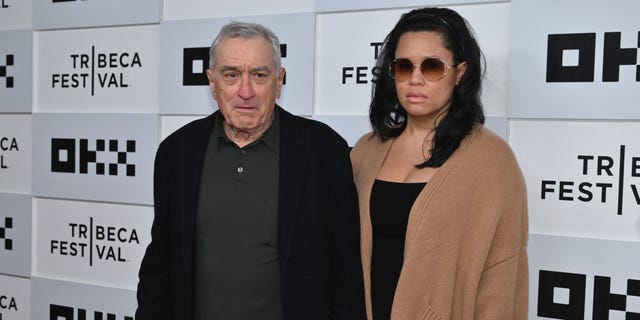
255, 208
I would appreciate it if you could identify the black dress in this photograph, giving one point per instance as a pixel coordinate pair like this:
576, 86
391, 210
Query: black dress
390, 205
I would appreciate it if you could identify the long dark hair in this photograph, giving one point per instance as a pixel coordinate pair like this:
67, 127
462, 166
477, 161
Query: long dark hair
387, 116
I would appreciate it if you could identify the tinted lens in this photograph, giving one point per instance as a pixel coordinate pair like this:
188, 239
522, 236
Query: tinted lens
401, 69
433, 69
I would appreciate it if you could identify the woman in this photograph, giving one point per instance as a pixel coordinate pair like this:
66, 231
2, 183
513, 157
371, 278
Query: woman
442, 199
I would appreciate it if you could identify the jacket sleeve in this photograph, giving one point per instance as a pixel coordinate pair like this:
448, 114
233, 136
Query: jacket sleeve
154, 285
347, 281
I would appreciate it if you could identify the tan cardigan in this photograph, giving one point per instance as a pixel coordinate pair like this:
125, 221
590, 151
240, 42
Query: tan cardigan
465, 252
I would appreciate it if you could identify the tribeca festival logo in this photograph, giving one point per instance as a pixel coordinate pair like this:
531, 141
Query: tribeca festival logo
603, 175
4, 73
360, 74
97, 70
63, 156
4, 5
6, 243
562, 295
7, 303
195, 62
59, 312
572, 57
95, 243
7, 144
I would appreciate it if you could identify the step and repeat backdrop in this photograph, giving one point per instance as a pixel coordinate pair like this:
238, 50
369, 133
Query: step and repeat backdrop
88, 89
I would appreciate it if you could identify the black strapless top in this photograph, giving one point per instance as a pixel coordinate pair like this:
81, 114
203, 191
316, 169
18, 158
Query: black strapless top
390, 205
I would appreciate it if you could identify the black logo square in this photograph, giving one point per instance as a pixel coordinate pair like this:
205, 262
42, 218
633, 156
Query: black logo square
8, 224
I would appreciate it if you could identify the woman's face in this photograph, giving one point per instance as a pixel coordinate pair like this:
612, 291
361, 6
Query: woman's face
425, 100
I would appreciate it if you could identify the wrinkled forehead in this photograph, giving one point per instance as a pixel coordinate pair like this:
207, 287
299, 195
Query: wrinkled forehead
238, 51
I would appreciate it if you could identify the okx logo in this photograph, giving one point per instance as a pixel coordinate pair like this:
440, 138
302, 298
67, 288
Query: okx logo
572, 57
5, 242
602, 175
562, 295
95, 242
59, 312
195, 62
95, 69
4, 71
64, 159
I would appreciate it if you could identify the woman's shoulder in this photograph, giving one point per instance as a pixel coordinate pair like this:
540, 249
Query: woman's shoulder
485, 151
491, 144
491, 152
366, 139
365, 142
363, 146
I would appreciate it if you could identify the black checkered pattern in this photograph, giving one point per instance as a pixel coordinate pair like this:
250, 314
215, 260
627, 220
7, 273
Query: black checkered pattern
8, 224
87, 157
3, 71
122, 158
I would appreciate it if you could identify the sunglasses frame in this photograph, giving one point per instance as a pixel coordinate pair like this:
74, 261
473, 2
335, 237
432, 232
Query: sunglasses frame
413, 67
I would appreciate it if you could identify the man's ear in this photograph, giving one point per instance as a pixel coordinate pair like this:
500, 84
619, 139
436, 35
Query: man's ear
283, 71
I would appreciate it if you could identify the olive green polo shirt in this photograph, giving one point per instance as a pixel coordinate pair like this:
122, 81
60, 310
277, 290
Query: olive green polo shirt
236, 253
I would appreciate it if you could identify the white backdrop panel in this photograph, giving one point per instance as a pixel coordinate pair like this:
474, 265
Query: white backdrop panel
195, 9
90, 242
557, 67
103, 157
15, 298
16, 56
341, 5
53, 299
351, 128
583, 177
579, 278
57, 14
347, 46
184, 51
15, 14
15, 153
15, 239
169, 124
97, 70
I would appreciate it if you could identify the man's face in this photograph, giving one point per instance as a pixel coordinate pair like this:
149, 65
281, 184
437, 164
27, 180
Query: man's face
245, 82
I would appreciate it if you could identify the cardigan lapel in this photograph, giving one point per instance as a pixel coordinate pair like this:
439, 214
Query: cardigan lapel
294, 153
373, 162
369, 167
418, 214
191, 160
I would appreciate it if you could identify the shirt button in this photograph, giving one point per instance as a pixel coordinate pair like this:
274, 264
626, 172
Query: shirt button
240, 169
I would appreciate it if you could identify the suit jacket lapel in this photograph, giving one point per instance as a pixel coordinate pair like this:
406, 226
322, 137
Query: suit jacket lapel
294, 143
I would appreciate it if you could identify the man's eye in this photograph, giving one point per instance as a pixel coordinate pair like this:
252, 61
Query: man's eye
231, 75
261, 75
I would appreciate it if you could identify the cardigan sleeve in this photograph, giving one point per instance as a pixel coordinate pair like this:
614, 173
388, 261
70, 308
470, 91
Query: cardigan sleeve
503, 288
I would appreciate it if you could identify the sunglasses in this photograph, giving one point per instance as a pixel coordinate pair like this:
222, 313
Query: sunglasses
433, 69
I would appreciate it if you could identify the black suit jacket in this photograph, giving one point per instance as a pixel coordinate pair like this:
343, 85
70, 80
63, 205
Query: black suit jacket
318, 226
